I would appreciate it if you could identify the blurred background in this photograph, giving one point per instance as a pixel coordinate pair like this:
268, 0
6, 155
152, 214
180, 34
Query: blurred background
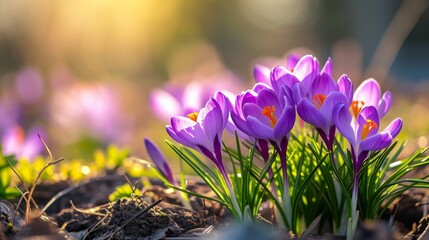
81, 73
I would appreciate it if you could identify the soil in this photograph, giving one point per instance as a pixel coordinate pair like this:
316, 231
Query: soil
157, 214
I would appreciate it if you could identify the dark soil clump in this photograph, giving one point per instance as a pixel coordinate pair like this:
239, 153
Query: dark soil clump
131, 218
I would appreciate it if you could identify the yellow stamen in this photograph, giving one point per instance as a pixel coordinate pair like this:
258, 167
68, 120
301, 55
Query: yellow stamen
367, 128
193, 116
268, 111
356, 107
318, 100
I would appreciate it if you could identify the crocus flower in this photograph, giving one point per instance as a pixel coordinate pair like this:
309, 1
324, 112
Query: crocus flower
363, 135
160, 162
15, 142
318, 108
362, 132
203, 130
369, 94
269, 117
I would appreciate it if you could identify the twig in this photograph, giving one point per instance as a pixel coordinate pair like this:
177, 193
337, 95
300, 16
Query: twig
399, 28
88, 211
50, 163
136, 216
22, 182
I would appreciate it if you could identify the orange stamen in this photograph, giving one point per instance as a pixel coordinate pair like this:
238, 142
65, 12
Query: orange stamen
318, 100
193, 116
367, 128
356, 107
268, 111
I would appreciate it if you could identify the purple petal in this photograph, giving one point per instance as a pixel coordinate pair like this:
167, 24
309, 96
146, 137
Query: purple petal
306, 70
239, 123
214, 123
291, 61
286, 80
385, 103
262, 74
332, 100
164, 105
368, 113
285, 123
311, 114
260, 86
328, 68
323, 84
251, 109
369, 92
195, 95
267, 97
394, 127
343, 121
345, 86
260, 130
178, 138
376, 142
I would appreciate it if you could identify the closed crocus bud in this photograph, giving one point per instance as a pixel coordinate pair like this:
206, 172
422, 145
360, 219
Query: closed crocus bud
159, 160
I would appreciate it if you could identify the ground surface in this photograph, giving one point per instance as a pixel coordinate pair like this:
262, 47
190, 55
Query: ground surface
84, 212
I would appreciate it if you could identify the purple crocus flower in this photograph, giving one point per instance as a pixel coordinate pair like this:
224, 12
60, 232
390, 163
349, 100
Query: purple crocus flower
318, 108
362, 132
160, 162
369, 94
15, 142
203, 130
363, 135
269, 117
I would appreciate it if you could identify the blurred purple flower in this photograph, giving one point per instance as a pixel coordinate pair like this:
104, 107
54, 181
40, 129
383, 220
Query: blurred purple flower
14, 142
181, 100
92, 110
160, 162
9, 112
324, 95
29, 85
369, 94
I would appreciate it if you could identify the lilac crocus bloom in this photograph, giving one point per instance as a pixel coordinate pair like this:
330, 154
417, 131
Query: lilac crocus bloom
160, 162
238, 119
318, 108
362, 132
15, 142
363, 135
203, 130
369, 94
